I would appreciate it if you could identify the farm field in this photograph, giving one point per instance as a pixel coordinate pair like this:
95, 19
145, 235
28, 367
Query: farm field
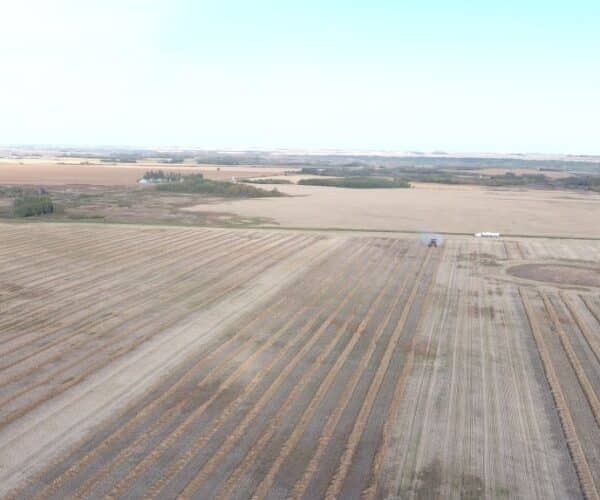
208, 363
426, 207
51, 173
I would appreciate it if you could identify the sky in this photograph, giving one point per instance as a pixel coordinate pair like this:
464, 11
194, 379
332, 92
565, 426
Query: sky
499, 76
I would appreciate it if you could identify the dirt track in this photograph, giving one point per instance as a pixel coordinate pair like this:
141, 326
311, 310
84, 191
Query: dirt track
378, 368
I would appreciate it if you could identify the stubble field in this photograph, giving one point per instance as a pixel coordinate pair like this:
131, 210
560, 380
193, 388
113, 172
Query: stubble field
52, 172
200, 363
426, 207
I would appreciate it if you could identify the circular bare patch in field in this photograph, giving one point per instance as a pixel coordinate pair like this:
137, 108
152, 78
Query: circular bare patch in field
559, 274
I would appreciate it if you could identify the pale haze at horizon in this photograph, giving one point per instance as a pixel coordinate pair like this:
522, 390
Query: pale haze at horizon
456, 75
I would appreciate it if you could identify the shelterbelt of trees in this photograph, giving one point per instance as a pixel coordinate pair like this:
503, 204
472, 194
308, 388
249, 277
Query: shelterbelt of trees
196, 183
404, 175
27, 202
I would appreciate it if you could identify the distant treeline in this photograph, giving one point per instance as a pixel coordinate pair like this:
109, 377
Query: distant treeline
441, 176
162, 176
119, 159
195, 183
414, 161
585, 182
573, 163
356, 182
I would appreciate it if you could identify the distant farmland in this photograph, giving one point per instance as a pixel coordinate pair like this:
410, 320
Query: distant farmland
52, 172
201, 363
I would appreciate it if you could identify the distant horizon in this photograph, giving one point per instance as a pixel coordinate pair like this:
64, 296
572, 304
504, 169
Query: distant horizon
371, 75
301, 151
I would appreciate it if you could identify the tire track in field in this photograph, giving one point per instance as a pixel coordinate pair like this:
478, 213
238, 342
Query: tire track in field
346, 461
520, 250
233, 438
403, 463
455, 410
373, 489
309, 412
513, 250
506, 251
535, 469
581, 465
493, 471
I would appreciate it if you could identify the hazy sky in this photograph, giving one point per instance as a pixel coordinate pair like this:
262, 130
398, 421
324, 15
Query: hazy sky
500, 76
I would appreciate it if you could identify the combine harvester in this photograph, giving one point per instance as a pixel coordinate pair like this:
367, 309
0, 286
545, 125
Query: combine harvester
431, 240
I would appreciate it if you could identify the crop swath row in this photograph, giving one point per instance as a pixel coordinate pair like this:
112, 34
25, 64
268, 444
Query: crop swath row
475, 425
294, 398
387, 369
133, 289
568, 349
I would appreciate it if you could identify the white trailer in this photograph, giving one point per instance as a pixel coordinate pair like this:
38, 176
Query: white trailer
487, 234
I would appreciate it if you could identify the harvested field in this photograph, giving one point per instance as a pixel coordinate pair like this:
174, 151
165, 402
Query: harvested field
46, 172
260, 364
428, 208
110, 291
